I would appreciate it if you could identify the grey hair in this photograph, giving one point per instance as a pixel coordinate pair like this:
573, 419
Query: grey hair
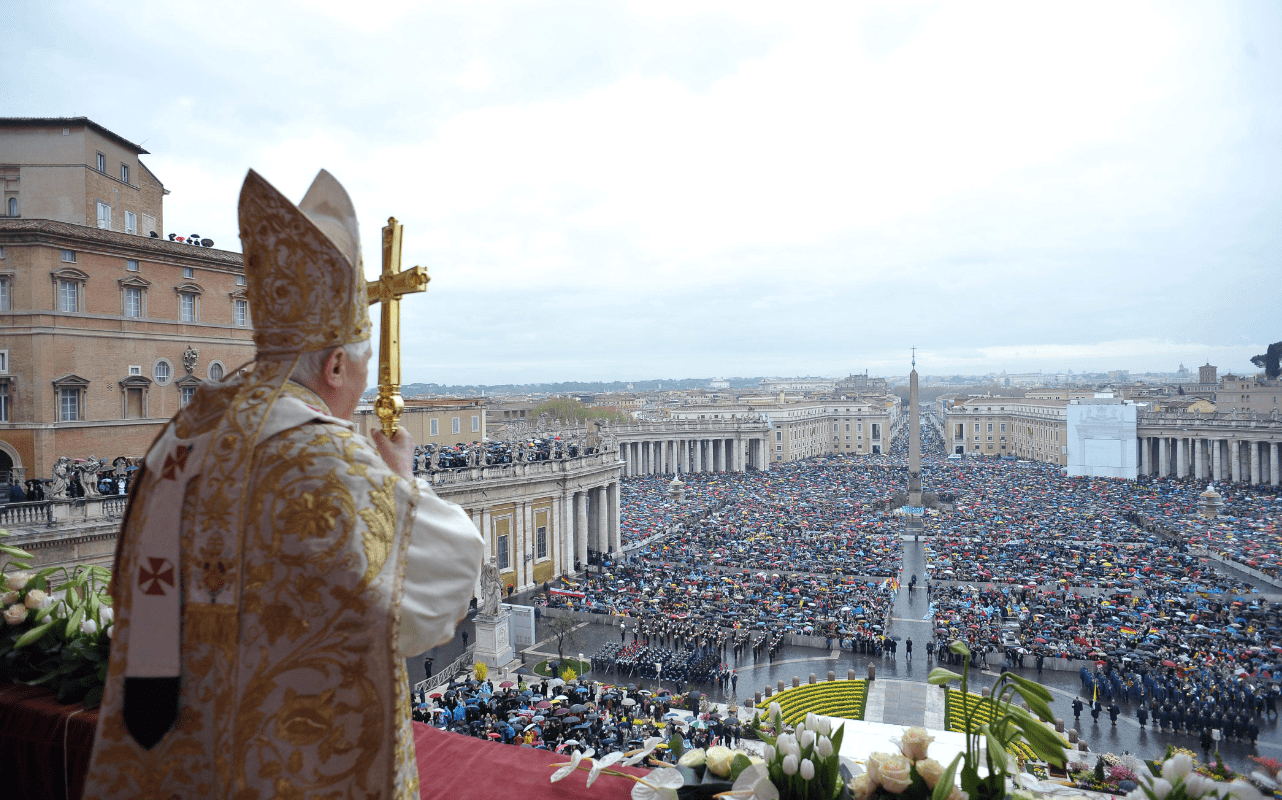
312, 364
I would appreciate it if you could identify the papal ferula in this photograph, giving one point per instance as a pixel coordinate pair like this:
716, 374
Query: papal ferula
275, 568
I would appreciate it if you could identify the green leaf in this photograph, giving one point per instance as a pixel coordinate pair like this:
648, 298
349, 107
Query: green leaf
16, 552
738, 765
947, 780
93, 697
996, 749
73, 622
1028, 686
676, 746
940, 676
959, 647
34, 635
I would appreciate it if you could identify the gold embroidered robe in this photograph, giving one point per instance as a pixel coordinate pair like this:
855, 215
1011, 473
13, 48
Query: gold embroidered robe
305, 583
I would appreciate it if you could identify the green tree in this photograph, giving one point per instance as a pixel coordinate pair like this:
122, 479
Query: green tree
569, 408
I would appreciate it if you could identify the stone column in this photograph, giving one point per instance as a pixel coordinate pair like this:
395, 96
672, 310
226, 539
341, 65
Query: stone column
717, 462
1235, 460
1144, 455
616, 533
697, 455
1163, 459
1217, 459
1181, 457
665, 453
602, 518
581, 527
1199, 459
1273, 463
1255, 462
519, 533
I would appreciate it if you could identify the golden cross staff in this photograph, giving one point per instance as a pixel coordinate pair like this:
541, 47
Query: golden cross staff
388, 289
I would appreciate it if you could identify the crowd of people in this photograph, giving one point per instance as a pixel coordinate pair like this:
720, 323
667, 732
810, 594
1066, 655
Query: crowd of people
1025, 564
558, 716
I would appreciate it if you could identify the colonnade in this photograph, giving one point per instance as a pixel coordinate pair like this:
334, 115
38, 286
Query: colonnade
1236, 459
670, 456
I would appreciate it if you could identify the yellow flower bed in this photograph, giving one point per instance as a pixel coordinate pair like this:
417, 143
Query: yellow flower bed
845, 699
956, 706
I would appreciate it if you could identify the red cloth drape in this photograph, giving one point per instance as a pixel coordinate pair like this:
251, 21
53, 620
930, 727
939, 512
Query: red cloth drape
456, 767
33, 728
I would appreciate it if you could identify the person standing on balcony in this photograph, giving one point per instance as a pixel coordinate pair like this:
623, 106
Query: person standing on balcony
275, 568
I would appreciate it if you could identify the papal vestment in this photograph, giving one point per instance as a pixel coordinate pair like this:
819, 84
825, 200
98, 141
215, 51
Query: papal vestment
306, 572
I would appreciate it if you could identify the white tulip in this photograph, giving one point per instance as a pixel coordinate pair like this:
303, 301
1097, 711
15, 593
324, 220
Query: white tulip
1197, 785
1179, 766
775, 711
807, 739
822, 726
106, 615
807, 769
812, 721
824, 747
790, 764
1161, 787
88, 627
770, 754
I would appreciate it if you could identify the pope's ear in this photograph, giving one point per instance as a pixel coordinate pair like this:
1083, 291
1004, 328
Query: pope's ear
337, 365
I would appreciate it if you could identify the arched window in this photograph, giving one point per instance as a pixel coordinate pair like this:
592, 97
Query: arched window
13, 206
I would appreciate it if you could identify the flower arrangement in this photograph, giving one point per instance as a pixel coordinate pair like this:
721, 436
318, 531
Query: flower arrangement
801, 765
1177, 780
481, 670
1002, 726
61, 638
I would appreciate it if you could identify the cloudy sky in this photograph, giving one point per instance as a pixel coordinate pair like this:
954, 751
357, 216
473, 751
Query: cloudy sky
669, 189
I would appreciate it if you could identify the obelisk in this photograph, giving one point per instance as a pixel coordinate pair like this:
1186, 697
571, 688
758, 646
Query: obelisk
914, 509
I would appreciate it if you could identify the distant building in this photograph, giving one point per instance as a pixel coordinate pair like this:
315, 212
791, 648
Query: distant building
719, 383
447, 421
1248, 393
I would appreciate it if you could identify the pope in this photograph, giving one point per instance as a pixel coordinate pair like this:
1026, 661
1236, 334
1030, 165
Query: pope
275, 568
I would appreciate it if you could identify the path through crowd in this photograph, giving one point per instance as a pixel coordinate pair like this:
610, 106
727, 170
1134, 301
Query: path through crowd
910, 614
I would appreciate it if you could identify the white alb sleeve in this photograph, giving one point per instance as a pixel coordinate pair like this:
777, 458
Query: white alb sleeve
442, 565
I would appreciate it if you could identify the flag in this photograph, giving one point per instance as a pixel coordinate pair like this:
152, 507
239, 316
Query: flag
1128, 631
1095, 695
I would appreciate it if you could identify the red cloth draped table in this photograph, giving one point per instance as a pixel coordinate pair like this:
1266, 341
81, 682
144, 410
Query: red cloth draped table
44, 744
45, 747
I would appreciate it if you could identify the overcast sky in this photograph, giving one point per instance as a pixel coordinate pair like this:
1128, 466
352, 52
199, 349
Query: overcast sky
672, 189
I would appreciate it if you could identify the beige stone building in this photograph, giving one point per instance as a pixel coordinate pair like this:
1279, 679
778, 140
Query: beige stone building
448, 421
1034, 429
1248, 393
104, 330
803, 428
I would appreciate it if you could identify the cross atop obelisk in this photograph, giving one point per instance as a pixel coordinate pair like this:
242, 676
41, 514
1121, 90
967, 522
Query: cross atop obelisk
391, 285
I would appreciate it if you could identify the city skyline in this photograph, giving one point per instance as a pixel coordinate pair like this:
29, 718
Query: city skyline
730, 187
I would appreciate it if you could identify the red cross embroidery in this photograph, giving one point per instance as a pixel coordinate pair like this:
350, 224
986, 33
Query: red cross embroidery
152, 581
174, 462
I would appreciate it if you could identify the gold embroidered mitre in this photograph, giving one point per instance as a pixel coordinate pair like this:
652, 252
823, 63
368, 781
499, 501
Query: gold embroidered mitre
303, 267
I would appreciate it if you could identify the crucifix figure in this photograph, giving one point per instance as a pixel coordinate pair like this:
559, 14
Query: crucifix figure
391, 285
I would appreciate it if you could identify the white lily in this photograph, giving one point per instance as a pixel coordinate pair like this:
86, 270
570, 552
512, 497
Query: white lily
566, 769
661, 784
647, 747
602, 763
